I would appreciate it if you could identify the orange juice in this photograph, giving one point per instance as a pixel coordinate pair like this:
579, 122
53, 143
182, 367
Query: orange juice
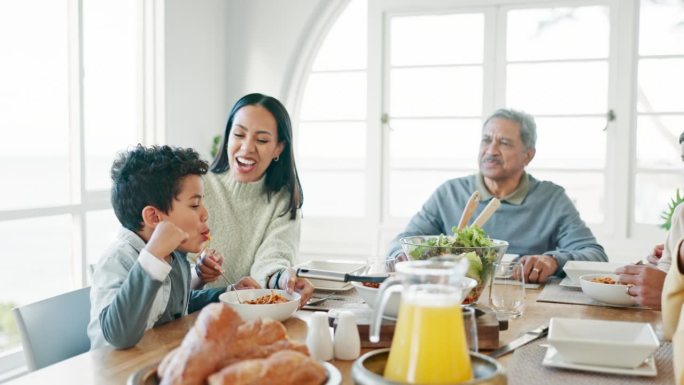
429, 344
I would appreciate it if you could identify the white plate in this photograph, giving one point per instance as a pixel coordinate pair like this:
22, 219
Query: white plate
336, 266
334, 376
553, 359
567, 282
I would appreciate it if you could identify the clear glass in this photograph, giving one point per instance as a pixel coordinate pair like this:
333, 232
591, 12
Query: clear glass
441, 91
434, 143
326, 144
470, 326
110, 85
660, 85
101, 229
661, 31
558, 88
410, 189
558, 140
507, 290
334, 193
657, 144
652, 193
585, 189
344, 47
34, 104
38, 264
331, 96
437, 39
558, 33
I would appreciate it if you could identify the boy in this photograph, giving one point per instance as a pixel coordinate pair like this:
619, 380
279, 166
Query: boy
143, 279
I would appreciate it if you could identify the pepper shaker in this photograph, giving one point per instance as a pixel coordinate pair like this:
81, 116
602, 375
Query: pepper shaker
318, 338
347, 344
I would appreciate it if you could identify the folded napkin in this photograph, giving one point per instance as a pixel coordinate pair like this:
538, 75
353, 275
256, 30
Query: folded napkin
525, 368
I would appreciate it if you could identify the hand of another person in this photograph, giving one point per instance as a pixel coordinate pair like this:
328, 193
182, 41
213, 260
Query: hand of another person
538, 268
165, 238
656, 254
247, 283
209, 265
647, 284
289, 282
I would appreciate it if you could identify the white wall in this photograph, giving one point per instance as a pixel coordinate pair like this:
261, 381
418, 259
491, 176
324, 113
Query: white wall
220, 50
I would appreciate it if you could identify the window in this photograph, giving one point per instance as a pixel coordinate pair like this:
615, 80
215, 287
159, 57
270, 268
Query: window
608, 108
61, 132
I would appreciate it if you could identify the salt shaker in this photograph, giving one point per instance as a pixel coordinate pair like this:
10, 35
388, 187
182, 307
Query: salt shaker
347, 342
318, 339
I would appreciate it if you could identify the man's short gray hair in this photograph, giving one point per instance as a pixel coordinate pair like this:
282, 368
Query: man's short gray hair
528, 128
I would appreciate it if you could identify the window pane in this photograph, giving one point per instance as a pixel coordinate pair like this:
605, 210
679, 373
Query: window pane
661, 27
110, 45
558, 88
658, 141
334, 193
36, 264
332, 145
653, 192
101, 229
558, 33
345, 45
437, 39
453, 91
434, 142
410, 189
585, 189
34, 104
560, 140
661, 82
335, 96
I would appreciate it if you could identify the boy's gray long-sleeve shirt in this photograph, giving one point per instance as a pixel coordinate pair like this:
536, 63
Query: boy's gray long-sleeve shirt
537, 218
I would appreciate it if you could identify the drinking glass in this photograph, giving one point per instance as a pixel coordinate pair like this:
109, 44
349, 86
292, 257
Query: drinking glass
378, 266
470, 326
507, 291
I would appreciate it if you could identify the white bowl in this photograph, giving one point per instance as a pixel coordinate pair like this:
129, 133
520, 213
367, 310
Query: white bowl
370, 295
249, 312
602, 343
575, 269
615, 294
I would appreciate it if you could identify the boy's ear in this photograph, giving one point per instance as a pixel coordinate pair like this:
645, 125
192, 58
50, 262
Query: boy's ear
150, 216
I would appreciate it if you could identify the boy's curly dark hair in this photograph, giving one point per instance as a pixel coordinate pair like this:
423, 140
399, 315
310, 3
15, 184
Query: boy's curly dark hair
150, 176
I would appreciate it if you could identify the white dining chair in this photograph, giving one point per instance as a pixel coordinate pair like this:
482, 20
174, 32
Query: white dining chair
55, 328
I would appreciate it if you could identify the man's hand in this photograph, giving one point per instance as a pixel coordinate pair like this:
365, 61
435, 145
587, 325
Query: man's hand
647, 283
289, 282
165, 239
209, 266
538, 268
656, 254
247, 283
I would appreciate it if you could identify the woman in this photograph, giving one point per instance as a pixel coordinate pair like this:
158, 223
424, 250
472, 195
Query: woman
254, 196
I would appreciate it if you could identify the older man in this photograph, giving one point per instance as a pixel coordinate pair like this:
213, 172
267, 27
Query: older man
646, 281
536, 217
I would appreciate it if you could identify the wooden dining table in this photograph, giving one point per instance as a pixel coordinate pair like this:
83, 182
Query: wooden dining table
108, 366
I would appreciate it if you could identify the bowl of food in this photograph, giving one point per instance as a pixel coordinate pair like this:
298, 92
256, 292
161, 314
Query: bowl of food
470, 243
251, 304
606, 288
575, 269
604, 343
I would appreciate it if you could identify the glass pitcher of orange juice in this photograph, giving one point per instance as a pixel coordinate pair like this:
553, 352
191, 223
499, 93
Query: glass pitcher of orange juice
429, 344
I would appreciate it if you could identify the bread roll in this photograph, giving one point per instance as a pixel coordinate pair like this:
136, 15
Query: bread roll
285, 367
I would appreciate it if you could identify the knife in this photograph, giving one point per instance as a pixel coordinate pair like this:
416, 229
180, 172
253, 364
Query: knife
337, 276
528, 337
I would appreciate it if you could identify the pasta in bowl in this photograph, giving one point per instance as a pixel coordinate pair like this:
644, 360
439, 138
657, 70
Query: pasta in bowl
251, 304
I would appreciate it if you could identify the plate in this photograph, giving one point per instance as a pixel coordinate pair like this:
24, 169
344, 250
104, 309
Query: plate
567, 282
336, 266
148, 375
553, 359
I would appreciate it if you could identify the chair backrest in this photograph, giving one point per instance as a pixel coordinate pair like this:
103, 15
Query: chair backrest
54, 329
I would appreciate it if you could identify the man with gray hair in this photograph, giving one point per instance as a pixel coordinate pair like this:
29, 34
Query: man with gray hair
537, 218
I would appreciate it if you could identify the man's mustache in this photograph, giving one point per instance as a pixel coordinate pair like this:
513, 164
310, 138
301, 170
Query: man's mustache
494, 159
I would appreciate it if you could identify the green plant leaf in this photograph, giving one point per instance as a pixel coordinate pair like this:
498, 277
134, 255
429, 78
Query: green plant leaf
666, 215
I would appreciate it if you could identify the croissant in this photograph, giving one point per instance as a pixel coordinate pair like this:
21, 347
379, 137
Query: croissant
282, 368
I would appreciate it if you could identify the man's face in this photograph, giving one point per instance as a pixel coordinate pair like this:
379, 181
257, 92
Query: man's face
503, 155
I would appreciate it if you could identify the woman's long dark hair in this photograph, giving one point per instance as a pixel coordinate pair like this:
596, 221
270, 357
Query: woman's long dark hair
282, 173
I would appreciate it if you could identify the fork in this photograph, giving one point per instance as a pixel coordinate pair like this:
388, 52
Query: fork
231, 284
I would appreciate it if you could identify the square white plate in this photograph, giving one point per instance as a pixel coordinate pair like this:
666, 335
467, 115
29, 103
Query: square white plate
567, 282
553, 359
336, 266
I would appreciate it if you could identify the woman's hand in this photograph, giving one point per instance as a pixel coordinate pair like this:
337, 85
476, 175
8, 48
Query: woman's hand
246, 283
208, 267
289, 282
